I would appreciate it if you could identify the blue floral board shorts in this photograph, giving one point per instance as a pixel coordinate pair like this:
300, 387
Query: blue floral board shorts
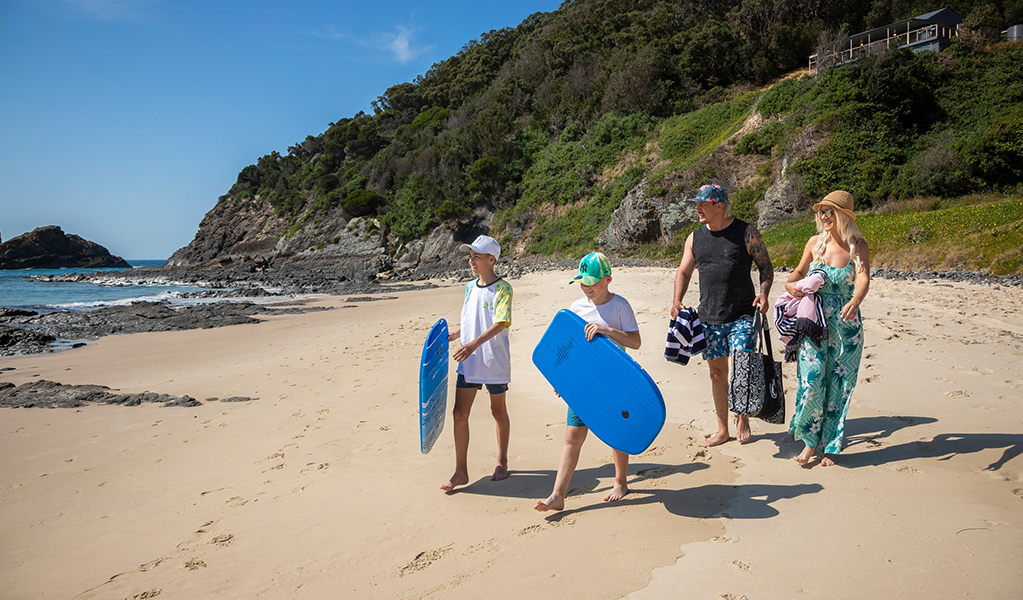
728, 338
493, 388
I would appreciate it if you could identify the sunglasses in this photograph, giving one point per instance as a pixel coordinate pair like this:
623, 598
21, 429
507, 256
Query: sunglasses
826, 213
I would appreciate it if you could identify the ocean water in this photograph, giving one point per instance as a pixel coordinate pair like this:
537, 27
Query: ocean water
19, 290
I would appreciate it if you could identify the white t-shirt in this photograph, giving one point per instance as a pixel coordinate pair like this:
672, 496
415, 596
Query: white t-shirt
484, 306
616, 313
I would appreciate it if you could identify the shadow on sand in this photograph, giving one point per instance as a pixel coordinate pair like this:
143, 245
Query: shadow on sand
537, 484
942, 447
750, 501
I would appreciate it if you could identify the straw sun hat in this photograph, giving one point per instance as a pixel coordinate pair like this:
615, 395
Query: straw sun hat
839, 200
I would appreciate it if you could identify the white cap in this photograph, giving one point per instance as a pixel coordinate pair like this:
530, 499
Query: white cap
484, 244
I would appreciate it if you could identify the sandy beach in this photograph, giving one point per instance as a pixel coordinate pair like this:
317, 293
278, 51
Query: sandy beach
317, 488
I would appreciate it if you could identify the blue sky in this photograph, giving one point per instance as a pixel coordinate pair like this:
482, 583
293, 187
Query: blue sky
123, 121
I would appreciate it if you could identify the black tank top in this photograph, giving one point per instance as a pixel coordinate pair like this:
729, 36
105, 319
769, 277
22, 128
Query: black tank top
726, 287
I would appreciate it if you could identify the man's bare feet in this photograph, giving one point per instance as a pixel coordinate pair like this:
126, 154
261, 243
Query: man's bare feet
456, 480
617, 493
553, 502
827, 461
743, 432
717, 439
500, 472
806, 456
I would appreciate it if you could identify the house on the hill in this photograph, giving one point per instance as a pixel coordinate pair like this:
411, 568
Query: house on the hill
932, 31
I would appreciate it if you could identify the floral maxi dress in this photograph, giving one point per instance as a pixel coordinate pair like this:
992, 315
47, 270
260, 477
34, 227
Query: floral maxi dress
827, 374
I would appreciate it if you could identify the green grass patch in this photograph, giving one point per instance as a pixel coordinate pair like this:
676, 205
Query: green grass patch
971, 237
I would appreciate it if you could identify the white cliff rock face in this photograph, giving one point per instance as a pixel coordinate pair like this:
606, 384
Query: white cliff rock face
643, 219
784, 200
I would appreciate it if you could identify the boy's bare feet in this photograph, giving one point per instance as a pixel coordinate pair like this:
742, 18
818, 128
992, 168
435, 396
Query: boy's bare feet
827, 461
500, 472
717, 439
456, 480
743, 432
806, 456
553, 502
617, 493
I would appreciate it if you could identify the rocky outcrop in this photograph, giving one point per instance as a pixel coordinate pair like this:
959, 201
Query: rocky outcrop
643, 219
50, 248
50, 394
246, 235
439, 251
234, 228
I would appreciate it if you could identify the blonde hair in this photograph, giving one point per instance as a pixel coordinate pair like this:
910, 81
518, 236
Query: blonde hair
847, 232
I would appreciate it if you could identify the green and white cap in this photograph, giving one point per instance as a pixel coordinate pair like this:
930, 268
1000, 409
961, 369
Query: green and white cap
592, 268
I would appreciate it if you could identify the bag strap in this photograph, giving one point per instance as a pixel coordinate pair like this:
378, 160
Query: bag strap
766, 339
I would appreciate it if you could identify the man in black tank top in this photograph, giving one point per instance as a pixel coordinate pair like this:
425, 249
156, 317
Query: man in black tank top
724, 249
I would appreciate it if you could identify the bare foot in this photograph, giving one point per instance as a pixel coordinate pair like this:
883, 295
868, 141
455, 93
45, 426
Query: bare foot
806, 456
742, 428
456, 480
827, 461
617, 493
553, 502
717, 439
500, 472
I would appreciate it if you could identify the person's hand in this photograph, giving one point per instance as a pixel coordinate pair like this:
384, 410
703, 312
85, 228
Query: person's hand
791, 288
762, 304
592, 329
850, 311
464, 351
676, 306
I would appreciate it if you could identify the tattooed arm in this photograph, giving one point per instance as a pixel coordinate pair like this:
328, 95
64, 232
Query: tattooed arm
757, 249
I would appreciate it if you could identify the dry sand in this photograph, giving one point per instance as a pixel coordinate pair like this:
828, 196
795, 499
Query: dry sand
318, 489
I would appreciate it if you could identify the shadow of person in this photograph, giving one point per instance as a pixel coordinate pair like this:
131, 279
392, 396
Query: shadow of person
870, 429
943, 447
537, 484
749, 501
859, 430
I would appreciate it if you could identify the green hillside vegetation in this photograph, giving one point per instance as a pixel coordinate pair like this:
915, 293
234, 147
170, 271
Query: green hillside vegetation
551, 123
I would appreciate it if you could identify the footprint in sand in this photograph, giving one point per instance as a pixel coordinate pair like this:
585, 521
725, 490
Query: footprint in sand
959, 394
315, 467
194, 564
424, 560
152, 564
908, 470
532, 528
741, 565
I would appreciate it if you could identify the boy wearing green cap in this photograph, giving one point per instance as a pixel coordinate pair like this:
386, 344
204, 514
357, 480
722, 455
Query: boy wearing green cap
610, 315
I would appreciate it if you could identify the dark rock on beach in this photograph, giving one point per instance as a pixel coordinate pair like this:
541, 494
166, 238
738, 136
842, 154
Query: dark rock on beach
50, 248
50, 394
37, 332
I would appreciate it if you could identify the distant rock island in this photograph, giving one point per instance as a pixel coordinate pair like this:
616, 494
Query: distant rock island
50, 248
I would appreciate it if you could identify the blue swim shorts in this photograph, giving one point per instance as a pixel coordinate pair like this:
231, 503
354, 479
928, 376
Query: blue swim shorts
728, 338
573, 419
493, 388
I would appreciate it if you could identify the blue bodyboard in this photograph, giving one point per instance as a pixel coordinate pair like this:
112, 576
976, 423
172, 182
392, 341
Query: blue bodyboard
433, 385
609, 391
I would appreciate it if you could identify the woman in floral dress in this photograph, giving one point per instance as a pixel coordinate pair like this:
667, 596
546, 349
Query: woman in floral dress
827, 372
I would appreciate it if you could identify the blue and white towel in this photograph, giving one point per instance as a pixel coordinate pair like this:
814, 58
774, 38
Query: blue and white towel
685, 337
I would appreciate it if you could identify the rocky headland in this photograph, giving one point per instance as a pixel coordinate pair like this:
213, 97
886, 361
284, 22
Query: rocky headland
50, 248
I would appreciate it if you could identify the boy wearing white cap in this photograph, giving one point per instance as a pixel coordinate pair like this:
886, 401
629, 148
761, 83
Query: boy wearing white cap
610, 315
484, 357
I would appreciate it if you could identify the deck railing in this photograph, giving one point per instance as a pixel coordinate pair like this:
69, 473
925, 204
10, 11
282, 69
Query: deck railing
859, 47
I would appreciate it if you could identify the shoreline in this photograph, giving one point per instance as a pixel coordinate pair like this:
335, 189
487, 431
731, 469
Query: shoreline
317, 484
229, 294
